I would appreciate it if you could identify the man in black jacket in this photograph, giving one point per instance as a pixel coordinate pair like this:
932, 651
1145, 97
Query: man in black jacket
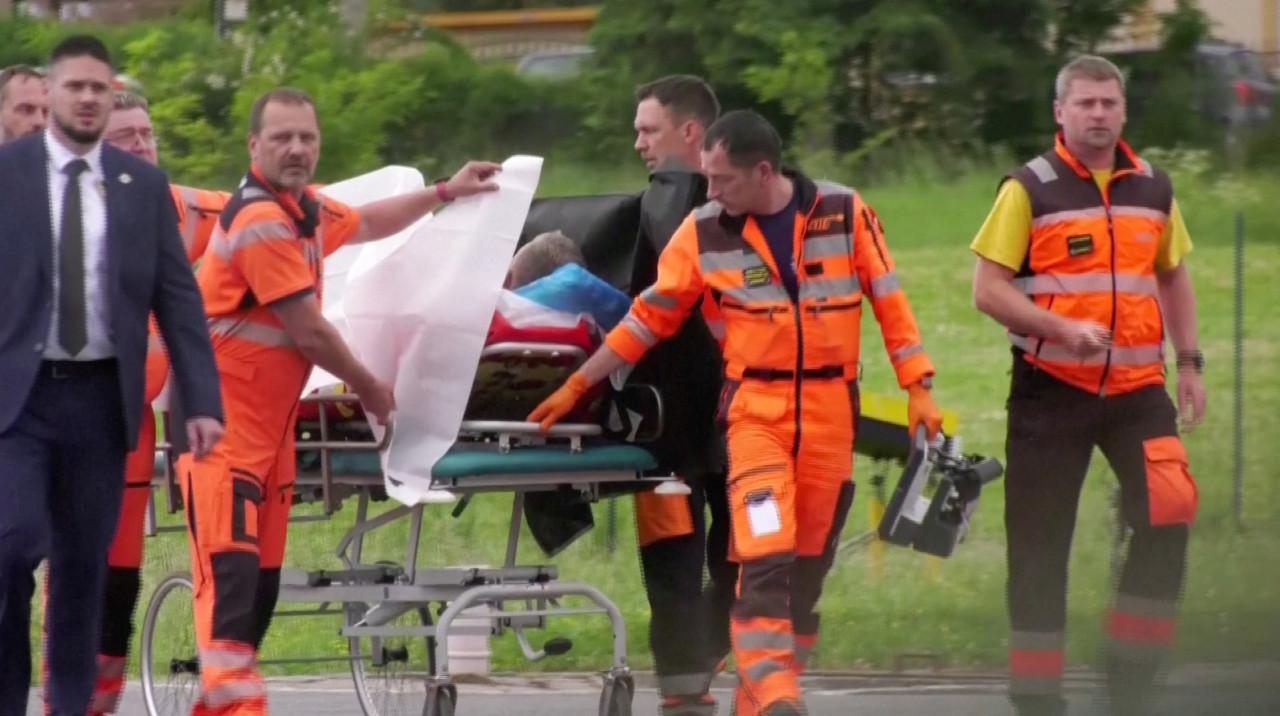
689, 629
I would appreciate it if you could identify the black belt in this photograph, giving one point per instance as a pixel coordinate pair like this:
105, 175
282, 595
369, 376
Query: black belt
73, 369
826, 372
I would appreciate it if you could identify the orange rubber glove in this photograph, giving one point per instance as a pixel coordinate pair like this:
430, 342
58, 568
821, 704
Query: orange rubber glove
559, 403
921, 408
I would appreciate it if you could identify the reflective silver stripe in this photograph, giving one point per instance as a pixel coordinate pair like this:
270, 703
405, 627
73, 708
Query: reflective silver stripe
905, 353
830, 188
1139, 211
709, 210
640, 331
1097, 281
254, 192
884, 284
1042, 169
1145, 354
763, 639
225, 245
110, 667
233, 691
250, 331
770, 292
803, 652
759, 670
651, 295
1035, 685
227, 659
1144, 167
1146, 607
709, 261
190, 199
829, 287
1059, 217
684, 684
716, 326
819, 247
1036, 640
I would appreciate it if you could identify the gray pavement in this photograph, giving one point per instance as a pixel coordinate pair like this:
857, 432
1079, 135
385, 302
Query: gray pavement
1221, 691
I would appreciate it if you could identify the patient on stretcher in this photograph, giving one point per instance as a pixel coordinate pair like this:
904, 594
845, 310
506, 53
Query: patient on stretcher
548, 297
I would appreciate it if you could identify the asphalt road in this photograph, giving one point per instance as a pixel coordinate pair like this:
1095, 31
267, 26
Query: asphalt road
579, 696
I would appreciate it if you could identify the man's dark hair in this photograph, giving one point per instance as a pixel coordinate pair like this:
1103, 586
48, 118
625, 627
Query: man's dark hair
685, 96
79, 46
747, 138
283, 95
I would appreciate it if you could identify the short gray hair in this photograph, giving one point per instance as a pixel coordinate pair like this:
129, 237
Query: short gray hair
543, 254
122, 100
1086, 67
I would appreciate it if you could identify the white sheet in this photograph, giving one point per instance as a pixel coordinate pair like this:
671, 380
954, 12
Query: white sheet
417, 308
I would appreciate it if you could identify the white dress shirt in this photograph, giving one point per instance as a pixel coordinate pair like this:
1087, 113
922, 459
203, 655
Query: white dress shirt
93, 205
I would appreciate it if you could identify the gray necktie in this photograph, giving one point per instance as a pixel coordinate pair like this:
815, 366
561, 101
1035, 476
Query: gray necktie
73, 328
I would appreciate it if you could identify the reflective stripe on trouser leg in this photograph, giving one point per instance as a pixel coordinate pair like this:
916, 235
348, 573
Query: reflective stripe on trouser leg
223, 526
109, 684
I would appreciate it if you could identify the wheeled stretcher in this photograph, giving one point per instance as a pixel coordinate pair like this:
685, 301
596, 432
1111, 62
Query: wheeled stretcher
386, 609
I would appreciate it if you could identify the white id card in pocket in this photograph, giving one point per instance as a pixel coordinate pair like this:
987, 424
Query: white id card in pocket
763, 516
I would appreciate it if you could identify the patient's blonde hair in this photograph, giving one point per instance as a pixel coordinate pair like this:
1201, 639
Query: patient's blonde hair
542, 255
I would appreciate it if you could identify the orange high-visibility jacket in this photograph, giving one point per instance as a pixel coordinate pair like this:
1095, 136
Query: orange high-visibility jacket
1092, 256
267, 247
198, 211
839, 254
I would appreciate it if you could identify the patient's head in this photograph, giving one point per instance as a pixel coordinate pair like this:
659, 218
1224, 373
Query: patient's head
540, 257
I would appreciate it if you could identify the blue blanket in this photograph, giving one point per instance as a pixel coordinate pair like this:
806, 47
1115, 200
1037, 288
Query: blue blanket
573, 289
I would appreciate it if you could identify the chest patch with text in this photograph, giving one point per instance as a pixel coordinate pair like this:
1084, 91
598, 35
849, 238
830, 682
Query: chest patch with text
755, 276
1079, 245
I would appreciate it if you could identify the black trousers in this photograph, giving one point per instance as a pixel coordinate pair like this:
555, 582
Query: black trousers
689, 622
60, 493
1052, 431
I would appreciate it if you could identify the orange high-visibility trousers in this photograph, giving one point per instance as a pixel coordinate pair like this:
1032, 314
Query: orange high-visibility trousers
237, 503
790, 489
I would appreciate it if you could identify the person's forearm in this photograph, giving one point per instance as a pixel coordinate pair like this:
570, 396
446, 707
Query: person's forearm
1178, 303
601, 364
1013, 309
325, 348
385, 217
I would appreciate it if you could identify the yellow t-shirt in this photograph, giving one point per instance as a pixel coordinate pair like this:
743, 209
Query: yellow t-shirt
1005, 236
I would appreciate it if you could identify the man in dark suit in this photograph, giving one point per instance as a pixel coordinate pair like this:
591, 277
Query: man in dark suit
91, 248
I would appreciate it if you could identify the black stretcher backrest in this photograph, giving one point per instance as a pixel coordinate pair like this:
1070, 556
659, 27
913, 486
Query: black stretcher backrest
603, 225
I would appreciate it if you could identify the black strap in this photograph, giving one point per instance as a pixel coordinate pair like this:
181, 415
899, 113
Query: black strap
826, 372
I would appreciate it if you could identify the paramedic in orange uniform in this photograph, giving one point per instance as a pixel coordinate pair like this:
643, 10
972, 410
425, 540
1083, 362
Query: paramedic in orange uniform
1081, 259
129, 128
789, 262
261, 282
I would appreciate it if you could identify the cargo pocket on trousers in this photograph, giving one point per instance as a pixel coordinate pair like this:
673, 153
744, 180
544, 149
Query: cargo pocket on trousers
758, 406
1172, 495
763, 516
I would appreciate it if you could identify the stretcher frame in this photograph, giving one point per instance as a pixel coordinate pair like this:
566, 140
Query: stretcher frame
370, 596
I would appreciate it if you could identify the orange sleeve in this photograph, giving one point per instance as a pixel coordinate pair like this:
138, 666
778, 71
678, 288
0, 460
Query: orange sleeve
876, 274
208, 208
659, 310
267, 253
338, 222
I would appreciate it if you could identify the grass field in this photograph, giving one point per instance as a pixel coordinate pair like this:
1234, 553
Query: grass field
954, 608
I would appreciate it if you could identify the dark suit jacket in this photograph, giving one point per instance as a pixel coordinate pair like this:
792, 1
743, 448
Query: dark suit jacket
148, 271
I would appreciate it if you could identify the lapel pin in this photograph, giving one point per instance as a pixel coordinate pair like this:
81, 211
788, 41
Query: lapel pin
125, 178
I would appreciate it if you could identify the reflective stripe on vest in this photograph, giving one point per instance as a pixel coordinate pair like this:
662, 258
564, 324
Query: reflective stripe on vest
1092, 257
241, 329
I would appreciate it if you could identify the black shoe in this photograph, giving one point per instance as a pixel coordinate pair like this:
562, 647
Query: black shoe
784, 708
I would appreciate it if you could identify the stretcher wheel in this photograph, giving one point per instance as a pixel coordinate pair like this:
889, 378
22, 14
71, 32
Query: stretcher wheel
169, 663
615, 697
390, 673
441, 701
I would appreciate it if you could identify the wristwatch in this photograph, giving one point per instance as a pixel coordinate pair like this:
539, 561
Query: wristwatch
1193, 359
927, 382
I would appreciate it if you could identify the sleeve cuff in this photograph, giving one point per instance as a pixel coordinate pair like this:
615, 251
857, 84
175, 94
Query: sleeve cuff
913, 369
